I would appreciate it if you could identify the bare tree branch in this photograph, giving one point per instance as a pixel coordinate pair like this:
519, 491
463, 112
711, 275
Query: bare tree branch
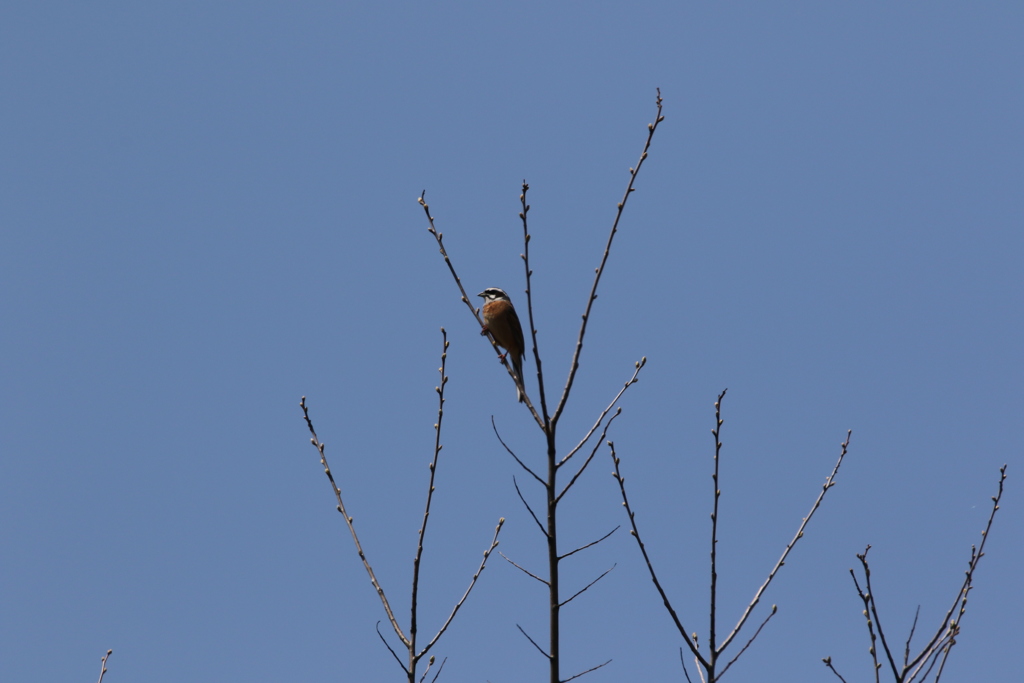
530, 509
529, 302
632, 380
525, 571
439, 670
716, 432
584, 547
430, 495
752, 638
516, 457
597, 444
651, 127
458, 605
593, 668
103, 665
829, 483
580, 591
533, 641
388, 646
650, 567
351, 527
828, 663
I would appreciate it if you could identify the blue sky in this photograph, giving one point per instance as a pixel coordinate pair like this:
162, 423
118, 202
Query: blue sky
207, 211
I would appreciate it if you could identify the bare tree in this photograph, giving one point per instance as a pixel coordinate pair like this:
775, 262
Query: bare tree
547, 420
414, 652
708, 662
936, 651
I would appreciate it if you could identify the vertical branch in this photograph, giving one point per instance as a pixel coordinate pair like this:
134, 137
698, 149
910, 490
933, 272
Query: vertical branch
867, 599
651, 127
529, 302
430, 494
716, 432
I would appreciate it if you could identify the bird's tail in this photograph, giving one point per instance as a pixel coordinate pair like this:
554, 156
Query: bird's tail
517, 365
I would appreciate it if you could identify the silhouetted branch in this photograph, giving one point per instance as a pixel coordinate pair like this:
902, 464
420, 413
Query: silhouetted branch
714, 522
430, 491
516, 457
458, 605
937, 650
525, 571
752, 638
530, 509
597, 444
348, 520
828, 663
632, 380
650, 567
651, 127
529, 302
682, 663
582, 590
439, 670
533, 641
584, 547
593, 668
829, 483
913, 627
388, 646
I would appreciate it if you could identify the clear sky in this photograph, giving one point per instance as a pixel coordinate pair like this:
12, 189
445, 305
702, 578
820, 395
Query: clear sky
207, 210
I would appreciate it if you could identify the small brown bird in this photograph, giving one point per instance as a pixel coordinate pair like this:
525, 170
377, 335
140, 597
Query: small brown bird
501, 321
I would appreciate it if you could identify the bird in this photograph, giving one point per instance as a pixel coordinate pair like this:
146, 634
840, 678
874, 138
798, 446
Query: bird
501, 321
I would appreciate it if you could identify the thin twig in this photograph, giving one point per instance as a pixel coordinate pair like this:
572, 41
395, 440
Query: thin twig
530, 509
529, 302
580, 591
430, 663
476, 313
597, 444
829, 483
584, 547
348, 520
732, 661
866, 598
458, 605
946, 634
593, 668
651, 127
828, 663
878, 621
632, 380
650, 567
516, 457
682, 663
439, 669
532, 641
388, 646
430, 495
913, 627
525, 571
716, 432
103, 665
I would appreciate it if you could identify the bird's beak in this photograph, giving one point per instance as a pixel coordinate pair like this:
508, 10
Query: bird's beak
480, 294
